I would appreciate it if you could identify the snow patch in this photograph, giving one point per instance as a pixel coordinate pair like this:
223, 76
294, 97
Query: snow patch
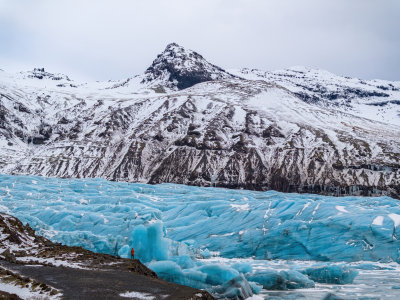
241, 207
395, 218
138, 295
25, 292
378, 221
341, 208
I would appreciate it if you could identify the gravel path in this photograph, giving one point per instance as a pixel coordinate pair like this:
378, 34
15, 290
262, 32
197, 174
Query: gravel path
104, 284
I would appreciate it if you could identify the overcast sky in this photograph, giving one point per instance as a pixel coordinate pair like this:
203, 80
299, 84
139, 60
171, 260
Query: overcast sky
115, 39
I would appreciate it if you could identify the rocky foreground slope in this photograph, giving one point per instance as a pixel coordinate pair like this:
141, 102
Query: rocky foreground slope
32, 267
188, 121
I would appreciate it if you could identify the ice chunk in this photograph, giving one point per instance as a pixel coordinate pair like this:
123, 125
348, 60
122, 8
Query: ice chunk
243, 267
184, 261
296, 280
283, 280
236, 288
167, 270
255, 287
205, 253
125, 252
396, 287
171, 271
195, 279
218, 274
149, 242
334, 274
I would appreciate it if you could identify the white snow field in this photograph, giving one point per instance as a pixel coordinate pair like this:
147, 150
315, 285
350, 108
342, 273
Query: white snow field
230, 242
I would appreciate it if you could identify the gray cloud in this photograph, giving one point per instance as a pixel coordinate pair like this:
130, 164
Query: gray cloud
101, 39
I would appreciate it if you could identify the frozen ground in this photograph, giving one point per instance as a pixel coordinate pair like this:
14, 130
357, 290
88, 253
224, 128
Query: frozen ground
220, 239
24, 292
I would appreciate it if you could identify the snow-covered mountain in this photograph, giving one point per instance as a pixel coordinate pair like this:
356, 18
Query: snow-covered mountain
187, 121
374, 99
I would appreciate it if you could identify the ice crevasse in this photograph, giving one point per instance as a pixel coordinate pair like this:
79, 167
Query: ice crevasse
172, 226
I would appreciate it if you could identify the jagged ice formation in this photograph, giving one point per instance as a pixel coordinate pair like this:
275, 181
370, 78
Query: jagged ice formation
172, 226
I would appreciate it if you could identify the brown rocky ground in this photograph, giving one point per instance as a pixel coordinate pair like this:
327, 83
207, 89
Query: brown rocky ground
52, 269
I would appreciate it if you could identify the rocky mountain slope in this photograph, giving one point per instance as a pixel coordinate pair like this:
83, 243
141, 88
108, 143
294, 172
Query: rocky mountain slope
187, 121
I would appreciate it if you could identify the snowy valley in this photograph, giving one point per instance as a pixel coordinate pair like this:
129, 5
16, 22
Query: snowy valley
188, 121
242, 183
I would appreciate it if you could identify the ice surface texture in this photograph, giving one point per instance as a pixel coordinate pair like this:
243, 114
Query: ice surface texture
281, 280
104, 216
170, 225
335, 274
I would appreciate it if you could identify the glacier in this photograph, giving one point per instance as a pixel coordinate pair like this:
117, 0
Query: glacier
178, 230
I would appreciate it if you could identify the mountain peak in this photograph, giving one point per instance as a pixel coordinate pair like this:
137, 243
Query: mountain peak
177, 67
174, 46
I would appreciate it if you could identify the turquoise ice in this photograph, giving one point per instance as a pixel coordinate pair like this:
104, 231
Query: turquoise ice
170, 225
102, 216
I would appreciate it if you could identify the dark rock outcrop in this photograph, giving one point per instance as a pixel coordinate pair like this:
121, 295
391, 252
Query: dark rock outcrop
183, 68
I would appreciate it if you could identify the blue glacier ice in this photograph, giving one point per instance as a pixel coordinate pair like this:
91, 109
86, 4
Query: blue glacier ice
235, 288
104, 216
243, 267
171, 226
337, 274
281, 280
